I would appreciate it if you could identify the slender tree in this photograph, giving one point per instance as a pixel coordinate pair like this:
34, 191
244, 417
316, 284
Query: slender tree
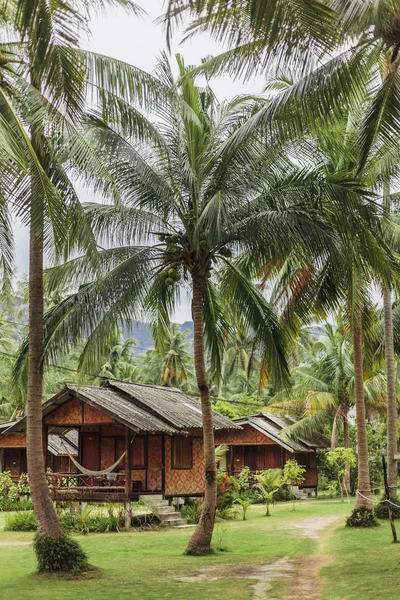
204, 203
44, 83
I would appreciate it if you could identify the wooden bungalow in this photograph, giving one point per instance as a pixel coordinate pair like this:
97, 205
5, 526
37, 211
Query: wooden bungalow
154, 434
262, 443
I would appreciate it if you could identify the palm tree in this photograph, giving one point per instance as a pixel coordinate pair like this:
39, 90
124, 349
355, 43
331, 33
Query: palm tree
174, 357
269, 483
323, 383
366, 58
120, 364
323, 386
43, 85
188, 206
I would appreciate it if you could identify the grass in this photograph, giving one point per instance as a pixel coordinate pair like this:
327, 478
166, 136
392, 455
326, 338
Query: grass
147, 565
364, 565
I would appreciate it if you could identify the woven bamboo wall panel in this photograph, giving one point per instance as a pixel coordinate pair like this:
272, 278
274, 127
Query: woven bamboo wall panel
13, 440
185, 481
248, 435
93, 415
69, 413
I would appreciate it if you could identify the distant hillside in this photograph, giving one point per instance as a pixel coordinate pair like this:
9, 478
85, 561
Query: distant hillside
141, 333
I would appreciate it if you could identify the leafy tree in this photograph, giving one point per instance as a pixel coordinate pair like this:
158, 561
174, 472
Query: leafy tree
293, 475
44, 79
363, 69
342, 459
120, 363
204, 203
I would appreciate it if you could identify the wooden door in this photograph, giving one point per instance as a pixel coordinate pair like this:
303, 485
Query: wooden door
15, 461
250, 457
90, 451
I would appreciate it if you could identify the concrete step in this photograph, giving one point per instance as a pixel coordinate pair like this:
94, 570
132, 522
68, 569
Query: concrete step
179, 523
164, 510
169, 516
159, 503
183, 526
151, 497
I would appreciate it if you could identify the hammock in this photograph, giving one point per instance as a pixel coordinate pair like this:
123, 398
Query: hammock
88, 471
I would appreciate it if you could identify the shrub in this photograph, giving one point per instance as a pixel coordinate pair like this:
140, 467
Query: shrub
21, 521
381, 510
191, 511
8, 505
226, 513
362, 517
59, 554
283, 495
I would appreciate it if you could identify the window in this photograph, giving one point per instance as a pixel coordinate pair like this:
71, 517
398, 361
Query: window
181, 452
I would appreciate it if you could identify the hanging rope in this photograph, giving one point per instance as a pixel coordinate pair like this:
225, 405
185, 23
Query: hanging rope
88, 471
378, 501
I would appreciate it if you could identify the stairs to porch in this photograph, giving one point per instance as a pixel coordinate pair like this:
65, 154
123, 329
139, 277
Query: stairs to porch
165, 511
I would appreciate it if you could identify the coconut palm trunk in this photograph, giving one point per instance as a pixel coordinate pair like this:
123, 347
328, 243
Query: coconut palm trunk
200, 542
391, 393
364, 485
346, 444
390, 376
45, 514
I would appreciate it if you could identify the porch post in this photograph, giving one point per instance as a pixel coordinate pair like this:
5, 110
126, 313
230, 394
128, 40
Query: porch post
128, 477
45, 443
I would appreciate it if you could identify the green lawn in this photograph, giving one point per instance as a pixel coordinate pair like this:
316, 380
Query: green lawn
147, 565
365, 565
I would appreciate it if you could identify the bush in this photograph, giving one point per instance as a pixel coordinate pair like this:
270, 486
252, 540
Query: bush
21, 521
283, 495
362, 517
191, 511
381, 510
7, 505
61, 554
226, 513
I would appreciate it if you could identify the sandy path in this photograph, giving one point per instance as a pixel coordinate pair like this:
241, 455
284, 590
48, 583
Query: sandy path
302, 573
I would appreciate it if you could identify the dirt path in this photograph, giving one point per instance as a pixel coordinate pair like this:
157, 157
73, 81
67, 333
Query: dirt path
299, 576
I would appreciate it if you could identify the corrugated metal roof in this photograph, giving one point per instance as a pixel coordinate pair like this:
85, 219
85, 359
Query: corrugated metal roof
273, 425
143, 408
62, 445
317, 440
178, 409
121, 409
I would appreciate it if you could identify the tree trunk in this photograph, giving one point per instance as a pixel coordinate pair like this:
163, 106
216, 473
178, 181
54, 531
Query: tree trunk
390, 374
45, 514
391, 394
200, 542
346, 444
364, 485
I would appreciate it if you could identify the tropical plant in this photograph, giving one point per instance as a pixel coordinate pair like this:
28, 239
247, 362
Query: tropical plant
244, 504
293, 475
269, 483
120, 364
45, 76
322, 393
342, 459
363, 69
203, 204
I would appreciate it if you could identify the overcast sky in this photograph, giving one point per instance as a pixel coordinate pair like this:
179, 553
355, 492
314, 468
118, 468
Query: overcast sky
139, 41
